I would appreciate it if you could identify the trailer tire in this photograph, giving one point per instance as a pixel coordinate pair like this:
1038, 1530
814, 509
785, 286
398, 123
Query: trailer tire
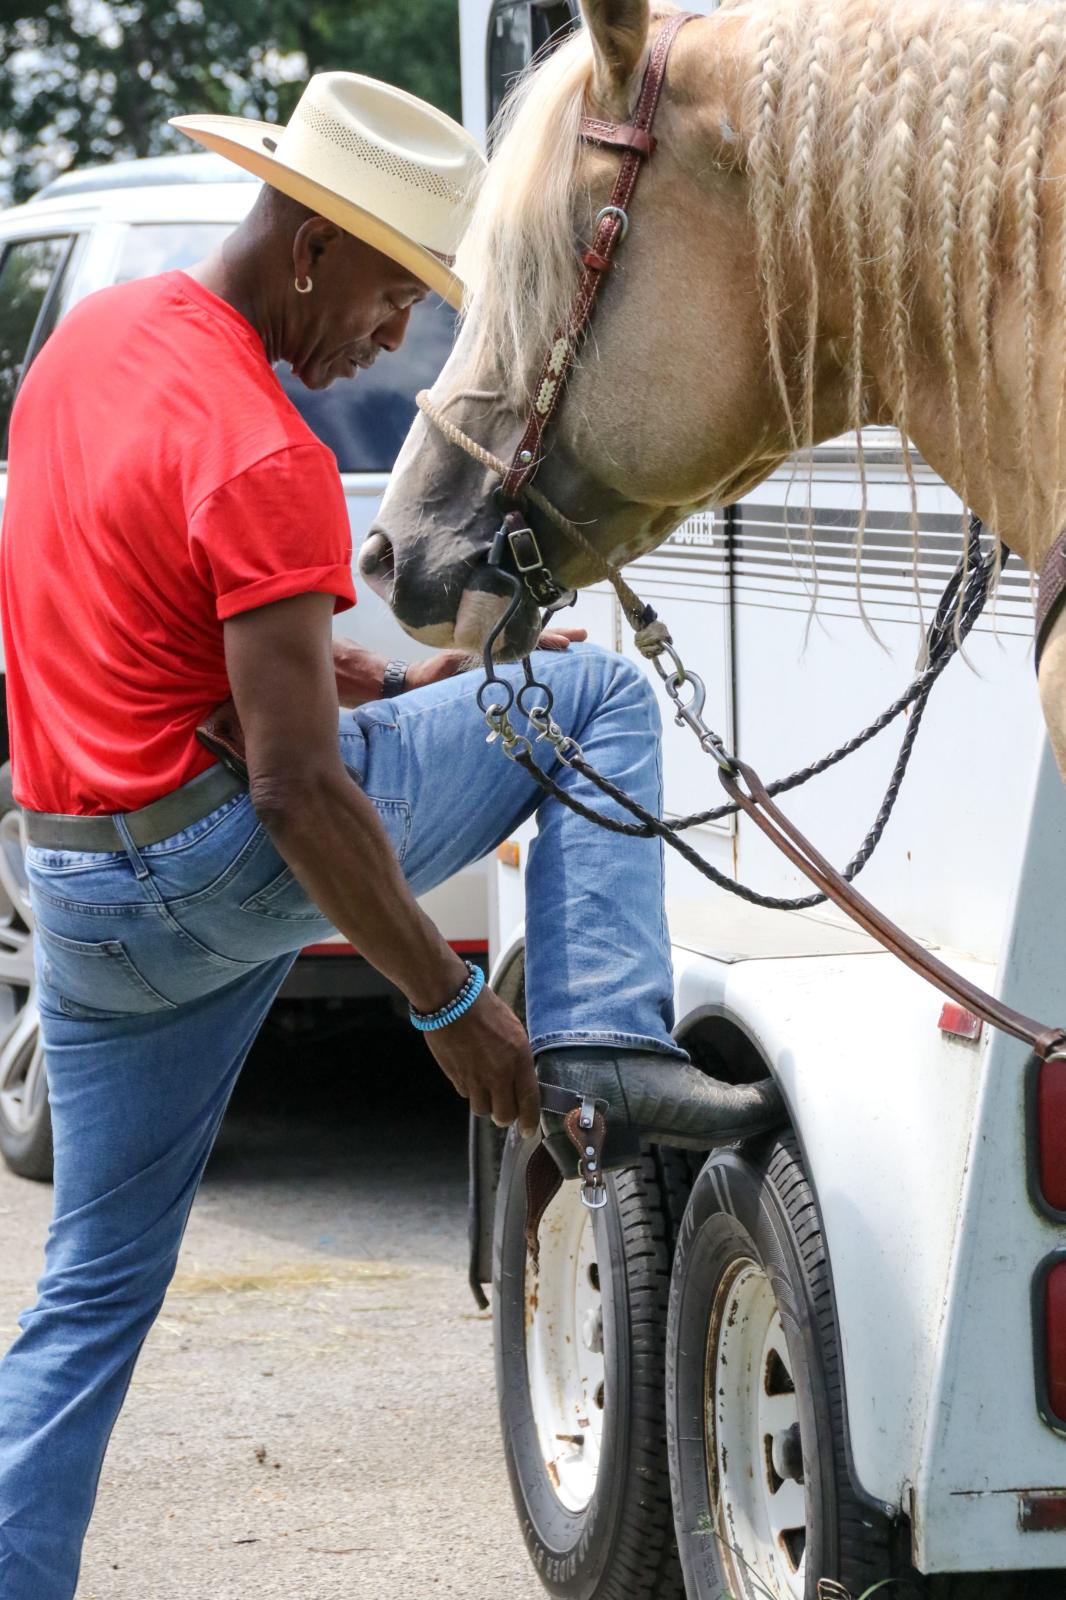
607, 1533
752, 1323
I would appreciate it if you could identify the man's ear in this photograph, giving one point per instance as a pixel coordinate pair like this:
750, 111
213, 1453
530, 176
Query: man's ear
312, 237
619, 30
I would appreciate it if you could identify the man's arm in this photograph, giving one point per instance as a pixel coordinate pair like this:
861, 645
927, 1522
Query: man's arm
282, 672
360, 673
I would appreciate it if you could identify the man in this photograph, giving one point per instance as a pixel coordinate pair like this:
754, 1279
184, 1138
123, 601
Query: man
158, 471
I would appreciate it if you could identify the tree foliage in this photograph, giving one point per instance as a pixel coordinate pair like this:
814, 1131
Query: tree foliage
88, 81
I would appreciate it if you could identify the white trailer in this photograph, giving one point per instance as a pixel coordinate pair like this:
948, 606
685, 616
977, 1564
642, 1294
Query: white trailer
847, 1345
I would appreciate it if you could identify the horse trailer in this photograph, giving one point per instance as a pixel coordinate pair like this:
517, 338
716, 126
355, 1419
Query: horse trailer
835, 1357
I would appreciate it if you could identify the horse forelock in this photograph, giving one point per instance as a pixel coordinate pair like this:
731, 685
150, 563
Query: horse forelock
518, 258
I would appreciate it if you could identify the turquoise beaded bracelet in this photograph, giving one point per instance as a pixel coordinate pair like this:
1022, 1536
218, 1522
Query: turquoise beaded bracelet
431, 1021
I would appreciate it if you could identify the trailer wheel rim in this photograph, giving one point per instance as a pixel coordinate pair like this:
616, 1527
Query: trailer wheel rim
564, 1349
754, 1459
22, 1074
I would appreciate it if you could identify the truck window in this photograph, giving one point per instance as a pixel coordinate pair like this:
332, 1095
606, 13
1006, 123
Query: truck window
149, 248
518, 31
363, 420
31, 272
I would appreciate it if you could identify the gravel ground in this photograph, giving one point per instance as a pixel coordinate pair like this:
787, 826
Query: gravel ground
313, 1415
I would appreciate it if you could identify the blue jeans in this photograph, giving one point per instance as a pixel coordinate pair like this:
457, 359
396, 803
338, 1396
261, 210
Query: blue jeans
156, 968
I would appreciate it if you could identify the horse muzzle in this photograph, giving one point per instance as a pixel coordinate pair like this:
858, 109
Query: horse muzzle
455, 609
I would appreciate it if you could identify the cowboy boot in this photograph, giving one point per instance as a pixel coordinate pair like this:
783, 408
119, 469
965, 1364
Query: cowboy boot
599, 1104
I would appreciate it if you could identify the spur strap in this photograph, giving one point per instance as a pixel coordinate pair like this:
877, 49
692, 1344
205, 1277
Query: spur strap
1052, 593
748, 791
635, 140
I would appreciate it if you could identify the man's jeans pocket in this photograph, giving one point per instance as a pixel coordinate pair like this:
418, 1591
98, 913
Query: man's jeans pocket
286, 898
94, 979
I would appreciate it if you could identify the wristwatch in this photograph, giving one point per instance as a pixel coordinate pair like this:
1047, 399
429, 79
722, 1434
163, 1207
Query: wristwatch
395, 679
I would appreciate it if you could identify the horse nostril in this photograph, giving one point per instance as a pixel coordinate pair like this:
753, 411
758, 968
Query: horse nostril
377, 558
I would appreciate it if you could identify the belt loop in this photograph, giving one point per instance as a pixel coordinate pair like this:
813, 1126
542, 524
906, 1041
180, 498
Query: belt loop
136, 859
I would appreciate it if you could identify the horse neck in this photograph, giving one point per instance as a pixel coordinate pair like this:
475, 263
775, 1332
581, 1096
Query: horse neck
972, 419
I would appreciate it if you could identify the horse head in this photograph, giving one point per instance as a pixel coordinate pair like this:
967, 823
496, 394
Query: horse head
853, 215
659, 417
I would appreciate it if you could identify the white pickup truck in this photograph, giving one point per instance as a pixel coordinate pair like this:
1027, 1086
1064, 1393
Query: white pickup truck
106, 226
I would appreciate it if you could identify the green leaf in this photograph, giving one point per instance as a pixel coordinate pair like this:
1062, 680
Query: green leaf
75, 96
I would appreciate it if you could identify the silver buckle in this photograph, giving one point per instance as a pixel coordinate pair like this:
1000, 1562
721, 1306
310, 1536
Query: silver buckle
525, 533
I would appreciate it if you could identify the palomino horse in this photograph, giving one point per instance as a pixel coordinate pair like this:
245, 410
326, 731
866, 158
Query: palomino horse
854, 215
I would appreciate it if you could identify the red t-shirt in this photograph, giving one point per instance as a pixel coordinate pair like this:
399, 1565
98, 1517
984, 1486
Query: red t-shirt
160, 481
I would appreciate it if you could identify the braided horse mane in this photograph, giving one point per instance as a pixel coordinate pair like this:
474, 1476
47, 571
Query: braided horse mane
871, 127
913, 123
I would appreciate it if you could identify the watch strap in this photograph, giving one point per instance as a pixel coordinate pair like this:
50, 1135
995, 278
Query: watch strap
395, 679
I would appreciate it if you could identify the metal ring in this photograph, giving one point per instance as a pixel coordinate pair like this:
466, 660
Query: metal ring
517, 747
497, 707
615, 211
545, 709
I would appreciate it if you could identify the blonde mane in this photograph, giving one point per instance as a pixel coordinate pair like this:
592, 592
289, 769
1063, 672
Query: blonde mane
931, 127
518, 258
871, 126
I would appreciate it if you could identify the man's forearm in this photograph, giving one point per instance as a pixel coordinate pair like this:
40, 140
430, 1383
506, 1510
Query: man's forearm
331, 836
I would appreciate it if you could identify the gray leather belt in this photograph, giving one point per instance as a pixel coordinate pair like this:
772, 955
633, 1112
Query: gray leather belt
152, 824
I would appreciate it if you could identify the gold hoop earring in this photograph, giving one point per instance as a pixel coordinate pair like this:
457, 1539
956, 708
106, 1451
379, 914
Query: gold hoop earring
305, 287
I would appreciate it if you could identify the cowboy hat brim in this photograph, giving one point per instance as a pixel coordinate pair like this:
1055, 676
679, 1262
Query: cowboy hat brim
245, 142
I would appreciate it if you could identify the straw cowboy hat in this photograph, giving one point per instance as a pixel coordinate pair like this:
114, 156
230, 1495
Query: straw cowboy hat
375, 160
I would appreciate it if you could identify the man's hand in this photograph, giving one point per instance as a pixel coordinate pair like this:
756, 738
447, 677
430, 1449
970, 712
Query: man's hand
448, 663
486, 1056
359, 672
561, 638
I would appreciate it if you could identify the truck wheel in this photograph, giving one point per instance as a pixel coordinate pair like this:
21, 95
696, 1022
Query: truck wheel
579, 1374
755, 1404
25, 1122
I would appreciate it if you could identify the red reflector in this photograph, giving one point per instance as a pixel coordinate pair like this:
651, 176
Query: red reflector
1051, 1132
1042, 1511
1055, 1331
959, 1022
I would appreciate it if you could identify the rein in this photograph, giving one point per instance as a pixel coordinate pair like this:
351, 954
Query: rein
516, 557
